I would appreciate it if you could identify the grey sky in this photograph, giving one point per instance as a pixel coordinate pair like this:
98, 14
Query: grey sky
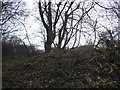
33, 26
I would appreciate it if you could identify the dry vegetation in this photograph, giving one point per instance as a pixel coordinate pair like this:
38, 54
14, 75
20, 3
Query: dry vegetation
77, 68
63, 25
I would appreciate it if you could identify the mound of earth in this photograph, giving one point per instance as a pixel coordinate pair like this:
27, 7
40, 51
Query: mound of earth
53, 72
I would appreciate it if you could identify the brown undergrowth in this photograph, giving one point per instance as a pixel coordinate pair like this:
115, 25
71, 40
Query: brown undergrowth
77, 68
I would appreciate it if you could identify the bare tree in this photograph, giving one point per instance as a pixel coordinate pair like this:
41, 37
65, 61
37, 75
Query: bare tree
11, 13
62, 21
113, 10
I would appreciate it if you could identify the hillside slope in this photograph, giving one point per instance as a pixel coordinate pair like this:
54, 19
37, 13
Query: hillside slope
47, 71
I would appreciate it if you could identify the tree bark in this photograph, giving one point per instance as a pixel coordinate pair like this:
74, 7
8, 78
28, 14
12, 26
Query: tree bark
48, 26
48, 46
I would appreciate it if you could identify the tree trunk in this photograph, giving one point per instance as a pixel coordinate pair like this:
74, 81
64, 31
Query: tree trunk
48, 46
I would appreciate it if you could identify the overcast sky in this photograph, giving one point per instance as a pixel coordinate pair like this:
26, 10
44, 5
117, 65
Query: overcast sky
34, 26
